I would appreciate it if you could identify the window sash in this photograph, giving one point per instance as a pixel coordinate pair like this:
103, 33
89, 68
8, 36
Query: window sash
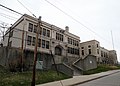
29, 38
33, 42
30, 28
83, 52
48, 33
35, 28
43, 43
44, 32
89, 50
47, 44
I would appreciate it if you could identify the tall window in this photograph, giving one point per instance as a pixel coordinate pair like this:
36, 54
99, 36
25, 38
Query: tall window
73, 42
97, 51
30, 28
68, 40
44, 32
47, 44
59, 37
104, 54
101, 53
89, 51
48, 33
29, 39
77, 43
97, 45
73, 51
35, 28
43, 43
33, 42
77, 51
83, 52
58, 51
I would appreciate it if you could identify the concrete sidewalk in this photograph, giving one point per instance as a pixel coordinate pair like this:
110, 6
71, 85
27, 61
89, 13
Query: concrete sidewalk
79, 79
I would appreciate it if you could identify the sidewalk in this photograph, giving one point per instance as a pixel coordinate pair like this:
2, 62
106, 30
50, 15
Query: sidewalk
79, 79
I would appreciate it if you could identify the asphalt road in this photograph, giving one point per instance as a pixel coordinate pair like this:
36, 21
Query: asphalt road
111, 80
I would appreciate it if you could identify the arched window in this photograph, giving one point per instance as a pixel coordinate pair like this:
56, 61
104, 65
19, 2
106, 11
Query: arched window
58, 51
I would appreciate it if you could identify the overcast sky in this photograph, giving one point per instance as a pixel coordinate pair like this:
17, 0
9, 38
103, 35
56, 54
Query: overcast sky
99, 16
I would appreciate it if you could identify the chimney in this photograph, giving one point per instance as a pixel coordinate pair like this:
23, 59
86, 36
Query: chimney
67, 29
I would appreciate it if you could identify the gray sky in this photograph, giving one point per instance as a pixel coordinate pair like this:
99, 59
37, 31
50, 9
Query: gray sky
100, 16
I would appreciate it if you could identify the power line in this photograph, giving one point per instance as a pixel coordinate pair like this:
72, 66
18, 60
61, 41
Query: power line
11, 9
6, 16
26, 8
6, 10
77, 21
69, 16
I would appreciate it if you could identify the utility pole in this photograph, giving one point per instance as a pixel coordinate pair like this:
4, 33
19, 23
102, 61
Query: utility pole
22, 53
35, 52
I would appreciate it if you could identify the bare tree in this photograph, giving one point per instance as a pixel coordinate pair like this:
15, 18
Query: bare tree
3, 28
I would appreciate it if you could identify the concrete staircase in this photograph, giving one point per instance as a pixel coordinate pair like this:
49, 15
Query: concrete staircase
62, 65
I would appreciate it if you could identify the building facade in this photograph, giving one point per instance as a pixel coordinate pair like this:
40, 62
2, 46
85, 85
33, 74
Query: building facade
51, 39
103, 55
90, 48
54, 45
113, 57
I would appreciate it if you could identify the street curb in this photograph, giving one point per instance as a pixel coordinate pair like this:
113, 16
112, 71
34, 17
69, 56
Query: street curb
93, 79
79, 79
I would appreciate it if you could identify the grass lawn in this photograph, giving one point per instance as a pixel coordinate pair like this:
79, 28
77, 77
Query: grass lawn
101, 68
24, 79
